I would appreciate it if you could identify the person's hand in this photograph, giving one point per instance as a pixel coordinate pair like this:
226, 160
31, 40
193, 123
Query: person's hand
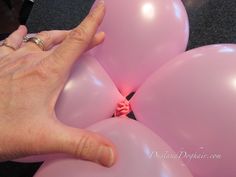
30, 83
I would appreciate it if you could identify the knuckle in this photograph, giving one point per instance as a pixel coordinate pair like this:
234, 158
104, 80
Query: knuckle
83, 146
50, 66
92, 17
45, 35
40, 72
79, 34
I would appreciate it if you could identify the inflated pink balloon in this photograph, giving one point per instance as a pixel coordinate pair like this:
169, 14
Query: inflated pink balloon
141, 35
88, 97
140, 155
190, 103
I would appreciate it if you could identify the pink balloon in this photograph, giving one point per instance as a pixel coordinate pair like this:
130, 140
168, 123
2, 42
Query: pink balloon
190, 103
135, 144
88, 97
141, 35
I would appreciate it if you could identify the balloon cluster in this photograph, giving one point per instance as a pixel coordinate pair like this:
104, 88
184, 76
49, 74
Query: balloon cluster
187, 98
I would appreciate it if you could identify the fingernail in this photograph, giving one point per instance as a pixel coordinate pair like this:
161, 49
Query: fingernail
106, 156
20, 27
100, 3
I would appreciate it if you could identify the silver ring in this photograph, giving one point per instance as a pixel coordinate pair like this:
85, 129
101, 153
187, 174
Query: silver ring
39, 42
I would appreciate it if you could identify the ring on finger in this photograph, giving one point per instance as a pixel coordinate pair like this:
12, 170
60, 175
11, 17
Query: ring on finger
6, 44
36, 40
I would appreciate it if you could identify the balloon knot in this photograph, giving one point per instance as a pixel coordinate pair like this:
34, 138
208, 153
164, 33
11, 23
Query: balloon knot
123, 108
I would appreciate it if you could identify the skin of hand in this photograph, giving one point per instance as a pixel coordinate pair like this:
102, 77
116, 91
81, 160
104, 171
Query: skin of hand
30, 83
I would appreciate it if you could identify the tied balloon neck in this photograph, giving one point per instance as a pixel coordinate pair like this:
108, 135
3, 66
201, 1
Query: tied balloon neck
123, 108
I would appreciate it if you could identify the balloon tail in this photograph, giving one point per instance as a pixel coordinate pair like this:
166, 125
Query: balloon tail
123, 108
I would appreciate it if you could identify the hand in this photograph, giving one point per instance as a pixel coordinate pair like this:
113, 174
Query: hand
30, 83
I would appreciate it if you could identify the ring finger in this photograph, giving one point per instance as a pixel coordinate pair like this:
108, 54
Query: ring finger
44, 40
49, 39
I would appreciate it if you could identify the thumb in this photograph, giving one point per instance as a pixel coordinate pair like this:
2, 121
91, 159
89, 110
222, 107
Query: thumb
80, 143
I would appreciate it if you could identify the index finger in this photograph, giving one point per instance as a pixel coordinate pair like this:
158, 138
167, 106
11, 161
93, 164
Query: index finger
78, 39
